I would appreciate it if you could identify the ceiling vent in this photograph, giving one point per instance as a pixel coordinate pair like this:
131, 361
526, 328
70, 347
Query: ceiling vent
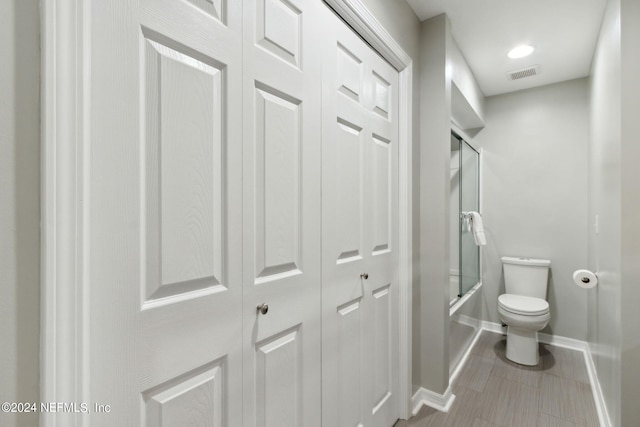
524, 73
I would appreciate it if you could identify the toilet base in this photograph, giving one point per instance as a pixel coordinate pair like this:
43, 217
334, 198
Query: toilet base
522, 346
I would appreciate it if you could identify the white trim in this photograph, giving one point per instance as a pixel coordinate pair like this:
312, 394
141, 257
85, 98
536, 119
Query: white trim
554, 340
572, 344
405, 220
596, 389
356, 14
358, 17
441, 402
64, 337
564, 342
496, 328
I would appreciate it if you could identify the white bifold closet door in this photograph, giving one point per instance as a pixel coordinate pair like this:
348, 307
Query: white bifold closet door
281, 263
162, 233
237, 153
359, 232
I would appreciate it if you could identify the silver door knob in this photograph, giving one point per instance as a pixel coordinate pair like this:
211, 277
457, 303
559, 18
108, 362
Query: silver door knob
364, 276
263, 308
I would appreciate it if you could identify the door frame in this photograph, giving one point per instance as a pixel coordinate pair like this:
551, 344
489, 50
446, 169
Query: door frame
64, 303
65, 114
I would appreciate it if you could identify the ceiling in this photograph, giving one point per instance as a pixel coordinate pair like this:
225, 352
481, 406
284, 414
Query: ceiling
564, 33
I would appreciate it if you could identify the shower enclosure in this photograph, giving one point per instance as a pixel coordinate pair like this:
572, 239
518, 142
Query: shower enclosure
465, 198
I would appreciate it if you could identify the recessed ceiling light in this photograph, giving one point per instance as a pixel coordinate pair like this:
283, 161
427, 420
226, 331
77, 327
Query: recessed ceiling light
520, 51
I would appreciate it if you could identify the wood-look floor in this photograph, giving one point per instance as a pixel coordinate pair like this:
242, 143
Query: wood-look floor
493, 391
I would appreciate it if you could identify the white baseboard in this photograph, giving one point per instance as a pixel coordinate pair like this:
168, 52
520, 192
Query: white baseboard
441, 402
563, 342
496, 328
601, 406
573, 344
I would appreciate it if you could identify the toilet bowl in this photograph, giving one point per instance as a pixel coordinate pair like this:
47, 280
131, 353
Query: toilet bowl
524, 317
523, 308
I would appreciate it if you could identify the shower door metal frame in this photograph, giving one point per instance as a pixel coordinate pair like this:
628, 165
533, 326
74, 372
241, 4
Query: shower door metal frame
466, 138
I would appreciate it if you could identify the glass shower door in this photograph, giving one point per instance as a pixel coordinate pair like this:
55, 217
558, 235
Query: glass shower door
469, 201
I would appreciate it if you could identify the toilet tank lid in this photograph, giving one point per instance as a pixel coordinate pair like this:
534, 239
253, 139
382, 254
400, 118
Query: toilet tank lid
526, 261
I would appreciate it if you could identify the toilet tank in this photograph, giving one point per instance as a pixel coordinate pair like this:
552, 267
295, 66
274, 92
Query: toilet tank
526, 276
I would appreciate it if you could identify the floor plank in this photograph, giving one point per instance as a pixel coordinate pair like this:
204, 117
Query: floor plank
492, 391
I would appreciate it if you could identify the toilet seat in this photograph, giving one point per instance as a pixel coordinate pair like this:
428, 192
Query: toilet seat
523, 305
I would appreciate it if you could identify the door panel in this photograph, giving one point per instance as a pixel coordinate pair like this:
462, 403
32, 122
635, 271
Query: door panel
182, 151
281, 148
359, 222
382, 181
348, 186
383, 262
197, 399
278, 195
280, 380
349, 353
382, 354
163, 213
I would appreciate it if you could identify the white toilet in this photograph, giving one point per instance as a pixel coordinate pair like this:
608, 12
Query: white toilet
524, 308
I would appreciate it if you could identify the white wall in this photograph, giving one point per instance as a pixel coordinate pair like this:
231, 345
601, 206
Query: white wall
614, 251
440, 61
535, 181
604, 202
630, 268
468, 101
435, 156
19, 206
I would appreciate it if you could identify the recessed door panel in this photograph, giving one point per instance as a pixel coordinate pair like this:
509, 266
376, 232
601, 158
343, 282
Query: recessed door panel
381, 96
382, 345
278, 199
382, 193
182, 156
278, 29
195, 399
349, 353
349, 72
279, 380
215, 8
348, 189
